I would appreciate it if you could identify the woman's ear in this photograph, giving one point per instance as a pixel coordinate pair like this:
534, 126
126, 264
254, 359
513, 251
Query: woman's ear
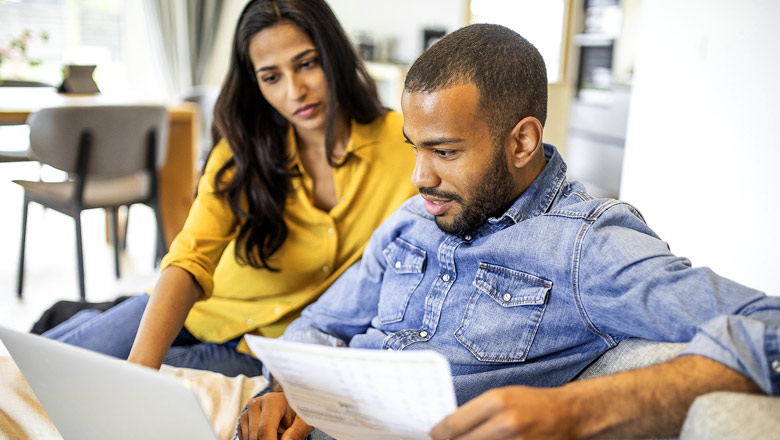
524, 141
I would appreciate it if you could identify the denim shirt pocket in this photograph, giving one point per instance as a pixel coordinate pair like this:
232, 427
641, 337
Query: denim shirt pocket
405, 265
503, 314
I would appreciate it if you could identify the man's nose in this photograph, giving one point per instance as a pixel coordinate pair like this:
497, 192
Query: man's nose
424, 174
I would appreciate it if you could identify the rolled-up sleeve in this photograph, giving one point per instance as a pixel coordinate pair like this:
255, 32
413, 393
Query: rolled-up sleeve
631, 285
210, 226
748, 344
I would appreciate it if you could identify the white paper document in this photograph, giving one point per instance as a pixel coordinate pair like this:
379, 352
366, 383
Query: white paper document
360, 394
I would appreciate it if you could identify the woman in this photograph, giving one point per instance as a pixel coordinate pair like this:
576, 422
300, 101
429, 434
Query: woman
306, 164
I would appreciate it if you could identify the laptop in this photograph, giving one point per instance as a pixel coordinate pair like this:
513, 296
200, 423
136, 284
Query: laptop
93, 396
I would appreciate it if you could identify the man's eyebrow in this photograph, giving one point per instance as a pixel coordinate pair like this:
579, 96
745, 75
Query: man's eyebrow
295, 58
434, 142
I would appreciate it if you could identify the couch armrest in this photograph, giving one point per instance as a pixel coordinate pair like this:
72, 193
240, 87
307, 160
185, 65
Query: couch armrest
631, 354
737, 416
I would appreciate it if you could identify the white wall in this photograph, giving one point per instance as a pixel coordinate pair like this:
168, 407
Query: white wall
702, 148
403, 20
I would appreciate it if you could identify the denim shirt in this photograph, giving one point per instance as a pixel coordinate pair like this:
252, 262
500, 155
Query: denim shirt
534, 296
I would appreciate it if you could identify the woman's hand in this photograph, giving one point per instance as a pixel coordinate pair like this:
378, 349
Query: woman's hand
269, 417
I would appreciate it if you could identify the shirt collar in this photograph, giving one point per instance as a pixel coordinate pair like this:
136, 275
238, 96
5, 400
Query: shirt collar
361, 136
538, 197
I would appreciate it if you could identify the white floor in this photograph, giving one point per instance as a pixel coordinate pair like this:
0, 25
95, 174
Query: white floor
50, 263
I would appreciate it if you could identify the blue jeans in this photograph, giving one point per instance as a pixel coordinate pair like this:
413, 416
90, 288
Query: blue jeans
112, 332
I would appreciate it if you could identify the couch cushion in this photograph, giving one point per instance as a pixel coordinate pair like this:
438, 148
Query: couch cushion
631, 354
737, 416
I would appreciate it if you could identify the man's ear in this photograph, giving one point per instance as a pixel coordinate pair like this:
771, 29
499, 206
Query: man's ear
524, 141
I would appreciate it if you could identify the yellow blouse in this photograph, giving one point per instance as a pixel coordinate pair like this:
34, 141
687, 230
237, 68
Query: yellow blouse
320, 246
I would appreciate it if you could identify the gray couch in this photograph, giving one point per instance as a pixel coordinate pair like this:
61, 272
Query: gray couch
721, 415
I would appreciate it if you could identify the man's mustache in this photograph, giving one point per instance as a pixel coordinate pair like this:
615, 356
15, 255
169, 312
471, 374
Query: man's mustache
440, 194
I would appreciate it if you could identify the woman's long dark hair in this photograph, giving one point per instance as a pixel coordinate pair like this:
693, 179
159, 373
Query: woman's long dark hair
257, 133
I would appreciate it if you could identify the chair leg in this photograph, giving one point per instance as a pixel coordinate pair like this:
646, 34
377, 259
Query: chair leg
124, 229
162, 248
80, 256
20, 280
113, 213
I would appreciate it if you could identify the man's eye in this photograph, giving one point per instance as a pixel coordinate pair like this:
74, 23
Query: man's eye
443, 153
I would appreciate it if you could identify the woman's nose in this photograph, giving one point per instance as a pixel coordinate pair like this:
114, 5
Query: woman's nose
296, 87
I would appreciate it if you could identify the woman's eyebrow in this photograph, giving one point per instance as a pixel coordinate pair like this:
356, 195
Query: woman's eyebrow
295, 58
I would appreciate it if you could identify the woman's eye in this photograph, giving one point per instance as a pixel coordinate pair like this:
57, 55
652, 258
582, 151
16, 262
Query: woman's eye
307, 64
269, 79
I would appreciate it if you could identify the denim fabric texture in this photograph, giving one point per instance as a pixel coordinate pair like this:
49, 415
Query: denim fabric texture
112, 332
535, 295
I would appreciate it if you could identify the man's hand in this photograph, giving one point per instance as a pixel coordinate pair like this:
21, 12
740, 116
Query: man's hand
269, 417
642, 403
509, 413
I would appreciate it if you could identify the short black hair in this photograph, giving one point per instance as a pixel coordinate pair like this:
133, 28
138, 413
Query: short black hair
508, 71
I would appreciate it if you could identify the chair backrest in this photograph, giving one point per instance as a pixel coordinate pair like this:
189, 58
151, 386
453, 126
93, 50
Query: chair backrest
119, 137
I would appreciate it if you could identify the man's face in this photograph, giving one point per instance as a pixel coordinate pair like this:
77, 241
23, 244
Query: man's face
463, 177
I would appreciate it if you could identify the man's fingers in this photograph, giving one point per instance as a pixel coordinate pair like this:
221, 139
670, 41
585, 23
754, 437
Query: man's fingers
468, 417
298, 430
253, 418
271, 418
243, 424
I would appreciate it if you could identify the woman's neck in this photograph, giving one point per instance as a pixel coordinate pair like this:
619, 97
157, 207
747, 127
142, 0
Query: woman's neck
315, 139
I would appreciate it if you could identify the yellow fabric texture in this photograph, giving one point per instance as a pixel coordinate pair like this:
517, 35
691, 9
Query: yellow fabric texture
320, 246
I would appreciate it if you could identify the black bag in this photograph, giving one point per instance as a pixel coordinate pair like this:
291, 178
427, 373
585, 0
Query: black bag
62, 310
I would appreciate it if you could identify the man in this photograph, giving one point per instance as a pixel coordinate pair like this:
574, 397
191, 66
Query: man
521, 279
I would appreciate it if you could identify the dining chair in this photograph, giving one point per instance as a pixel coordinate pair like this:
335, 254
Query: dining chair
112, 155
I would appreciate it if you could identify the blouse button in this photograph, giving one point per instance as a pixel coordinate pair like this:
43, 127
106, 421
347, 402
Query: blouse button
507, 297
397, 264
776, 366
446, 277
423, 334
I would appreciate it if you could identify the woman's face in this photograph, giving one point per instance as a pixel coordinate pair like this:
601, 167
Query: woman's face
291, 79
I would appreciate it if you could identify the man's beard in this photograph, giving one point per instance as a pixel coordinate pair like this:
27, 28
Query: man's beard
489, 197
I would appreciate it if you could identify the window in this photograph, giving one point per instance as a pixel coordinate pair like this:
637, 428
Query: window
63, 32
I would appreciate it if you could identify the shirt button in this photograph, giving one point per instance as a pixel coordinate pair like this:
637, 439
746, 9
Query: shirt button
507, 297
423, 334
249, 322
330, 231
397, 264
446, 277
776, 366
467, 237
325, 268
277, 310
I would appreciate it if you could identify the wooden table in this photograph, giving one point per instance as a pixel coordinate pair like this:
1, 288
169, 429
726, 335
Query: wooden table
178, 176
